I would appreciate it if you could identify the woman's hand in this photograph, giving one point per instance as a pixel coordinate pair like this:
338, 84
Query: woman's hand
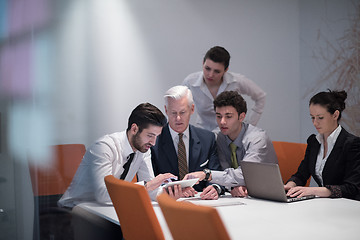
305, 191
289, 185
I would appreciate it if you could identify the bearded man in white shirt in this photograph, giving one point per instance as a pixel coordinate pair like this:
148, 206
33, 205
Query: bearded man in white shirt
215, 79
109, 155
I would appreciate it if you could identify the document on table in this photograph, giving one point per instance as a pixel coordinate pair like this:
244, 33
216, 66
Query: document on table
222, 201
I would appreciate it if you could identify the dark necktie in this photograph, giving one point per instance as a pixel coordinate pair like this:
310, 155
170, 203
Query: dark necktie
183, 168
234, 163
127, 165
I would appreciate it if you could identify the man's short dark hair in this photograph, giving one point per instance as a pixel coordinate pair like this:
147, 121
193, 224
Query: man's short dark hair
231, 98
219, 55
144, 115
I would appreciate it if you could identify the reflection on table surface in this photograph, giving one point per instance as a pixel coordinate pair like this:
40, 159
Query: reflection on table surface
249, 218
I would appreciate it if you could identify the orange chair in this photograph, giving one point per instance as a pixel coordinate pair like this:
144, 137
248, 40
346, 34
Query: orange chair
134, 179
49, 181
289, 155
189, 221
134, 209
55, 177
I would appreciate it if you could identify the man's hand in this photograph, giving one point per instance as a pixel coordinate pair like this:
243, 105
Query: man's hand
209, 193
200, 175
158, 180
176, 191
239, 191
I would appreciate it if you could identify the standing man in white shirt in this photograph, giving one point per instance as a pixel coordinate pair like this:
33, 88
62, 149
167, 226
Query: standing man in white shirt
215, 79
122, 154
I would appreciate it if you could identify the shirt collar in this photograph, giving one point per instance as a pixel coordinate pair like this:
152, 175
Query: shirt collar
332, 138
127, 147
227, 79
174, 134
200, 81
238, 140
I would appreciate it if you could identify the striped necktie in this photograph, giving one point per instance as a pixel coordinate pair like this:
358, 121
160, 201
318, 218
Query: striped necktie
183, 168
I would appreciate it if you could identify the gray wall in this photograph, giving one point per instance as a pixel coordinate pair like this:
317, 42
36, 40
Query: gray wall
135, 50
112, 55
329, 57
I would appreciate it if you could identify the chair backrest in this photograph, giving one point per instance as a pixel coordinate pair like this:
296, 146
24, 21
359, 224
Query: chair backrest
189, 221
55, 177
134, 209
289, 155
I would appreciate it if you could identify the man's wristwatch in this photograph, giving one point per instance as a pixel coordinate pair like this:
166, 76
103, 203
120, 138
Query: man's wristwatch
207, 174
218, 189
145, 184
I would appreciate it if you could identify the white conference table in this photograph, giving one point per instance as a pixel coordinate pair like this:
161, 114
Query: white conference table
249, 218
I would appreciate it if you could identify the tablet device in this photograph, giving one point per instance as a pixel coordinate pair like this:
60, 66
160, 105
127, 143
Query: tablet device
182, 183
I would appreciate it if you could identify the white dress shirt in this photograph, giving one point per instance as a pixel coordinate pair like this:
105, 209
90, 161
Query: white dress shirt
186, 137
231, 82
321, 160
106, 156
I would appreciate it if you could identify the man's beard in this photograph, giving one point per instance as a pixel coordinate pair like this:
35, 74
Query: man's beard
136, 142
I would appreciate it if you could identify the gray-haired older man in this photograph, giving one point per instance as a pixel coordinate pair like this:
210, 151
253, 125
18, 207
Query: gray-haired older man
182, 148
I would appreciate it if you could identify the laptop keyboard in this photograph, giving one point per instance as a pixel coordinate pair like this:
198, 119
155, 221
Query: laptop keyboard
293, 199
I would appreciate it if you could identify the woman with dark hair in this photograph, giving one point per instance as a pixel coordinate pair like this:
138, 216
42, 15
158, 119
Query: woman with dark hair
332, 156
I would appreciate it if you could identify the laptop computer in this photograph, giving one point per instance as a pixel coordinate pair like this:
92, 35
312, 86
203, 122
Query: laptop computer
263, 180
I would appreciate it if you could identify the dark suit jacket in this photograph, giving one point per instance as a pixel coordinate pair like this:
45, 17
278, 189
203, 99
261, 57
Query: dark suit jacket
341, 174
202, 153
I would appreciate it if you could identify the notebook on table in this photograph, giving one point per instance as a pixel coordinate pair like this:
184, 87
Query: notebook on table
263, 180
